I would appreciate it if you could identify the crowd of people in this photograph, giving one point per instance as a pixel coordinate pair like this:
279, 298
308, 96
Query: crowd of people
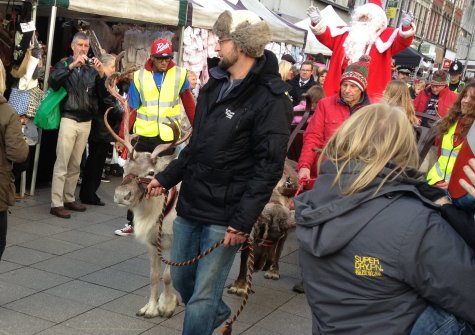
382, 248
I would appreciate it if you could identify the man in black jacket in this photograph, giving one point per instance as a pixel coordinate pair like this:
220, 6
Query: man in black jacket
302, 82
99, 139
78, 75
228, 170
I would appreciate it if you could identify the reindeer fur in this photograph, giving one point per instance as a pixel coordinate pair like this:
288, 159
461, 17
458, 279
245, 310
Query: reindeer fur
146, 213
272, 225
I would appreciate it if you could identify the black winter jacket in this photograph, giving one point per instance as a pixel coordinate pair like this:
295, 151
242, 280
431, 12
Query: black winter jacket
82, 84
236, 153
296, 91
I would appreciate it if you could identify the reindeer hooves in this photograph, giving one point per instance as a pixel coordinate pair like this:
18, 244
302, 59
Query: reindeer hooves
148, 311
167, 305
239, 288
165, 308
272, 274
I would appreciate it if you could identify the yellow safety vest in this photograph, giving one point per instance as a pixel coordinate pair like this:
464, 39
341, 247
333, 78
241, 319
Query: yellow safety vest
442, 169
157, 104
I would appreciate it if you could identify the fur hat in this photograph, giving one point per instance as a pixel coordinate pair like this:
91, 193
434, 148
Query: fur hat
439, 78
246, 29
456, 67
357, 73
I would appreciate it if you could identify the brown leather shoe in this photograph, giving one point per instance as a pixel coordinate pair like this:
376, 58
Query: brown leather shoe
75, 206
60, 212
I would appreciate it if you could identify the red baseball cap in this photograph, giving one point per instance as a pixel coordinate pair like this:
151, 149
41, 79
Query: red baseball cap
161, 49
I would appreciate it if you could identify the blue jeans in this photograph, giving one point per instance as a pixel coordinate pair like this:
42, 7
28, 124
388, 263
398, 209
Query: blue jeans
436, 321
201, 284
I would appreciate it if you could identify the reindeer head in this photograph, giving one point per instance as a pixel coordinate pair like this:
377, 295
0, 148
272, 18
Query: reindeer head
140, 167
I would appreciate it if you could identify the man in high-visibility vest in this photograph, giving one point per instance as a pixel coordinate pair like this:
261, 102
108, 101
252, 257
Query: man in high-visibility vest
154, 95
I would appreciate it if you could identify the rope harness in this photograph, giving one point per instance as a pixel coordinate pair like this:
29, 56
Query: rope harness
227, 329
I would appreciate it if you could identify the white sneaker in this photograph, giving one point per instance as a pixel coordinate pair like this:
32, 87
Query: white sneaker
126, 231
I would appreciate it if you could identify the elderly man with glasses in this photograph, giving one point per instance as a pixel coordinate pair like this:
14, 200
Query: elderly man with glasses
155, 94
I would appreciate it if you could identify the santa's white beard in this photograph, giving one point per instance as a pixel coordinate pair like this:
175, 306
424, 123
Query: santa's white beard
360, 36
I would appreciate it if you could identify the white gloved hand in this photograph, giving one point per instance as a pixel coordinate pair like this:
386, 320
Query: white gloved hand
406, 19
314, 14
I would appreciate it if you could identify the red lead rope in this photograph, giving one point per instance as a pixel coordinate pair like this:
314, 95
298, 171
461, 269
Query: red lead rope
302, 183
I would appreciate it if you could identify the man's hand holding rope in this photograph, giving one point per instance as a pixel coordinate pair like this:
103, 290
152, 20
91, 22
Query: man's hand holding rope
154, 189
234, 237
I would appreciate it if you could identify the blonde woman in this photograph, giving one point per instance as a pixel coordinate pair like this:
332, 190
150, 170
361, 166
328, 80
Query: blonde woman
285, 70
397, 94
376, 255
13, 148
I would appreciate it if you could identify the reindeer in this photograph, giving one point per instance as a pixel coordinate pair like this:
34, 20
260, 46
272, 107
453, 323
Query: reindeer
270, 231
139, 169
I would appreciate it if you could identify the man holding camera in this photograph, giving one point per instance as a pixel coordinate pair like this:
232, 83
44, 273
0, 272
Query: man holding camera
81, 77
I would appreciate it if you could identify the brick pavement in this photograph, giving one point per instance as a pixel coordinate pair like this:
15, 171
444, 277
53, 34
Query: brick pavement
75, 277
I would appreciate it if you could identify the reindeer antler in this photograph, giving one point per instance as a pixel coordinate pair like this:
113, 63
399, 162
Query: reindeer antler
176, 139
111, 83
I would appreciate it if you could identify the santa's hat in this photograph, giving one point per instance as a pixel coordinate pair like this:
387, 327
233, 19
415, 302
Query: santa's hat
374, 10
376, 2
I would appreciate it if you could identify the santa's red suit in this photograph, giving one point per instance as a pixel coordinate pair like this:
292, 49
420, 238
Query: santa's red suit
390, 42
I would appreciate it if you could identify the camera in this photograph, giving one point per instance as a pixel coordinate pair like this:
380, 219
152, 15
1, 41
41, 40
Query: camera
90, 61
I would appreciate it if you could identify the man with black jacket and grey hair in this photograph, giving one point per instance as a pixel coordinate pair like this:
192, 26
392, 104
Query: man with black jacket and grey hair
80, 78
231, 165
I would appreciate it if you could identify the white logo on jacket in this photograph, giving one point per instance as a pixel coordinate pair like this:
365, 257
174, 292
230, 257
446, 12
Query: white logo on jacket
229, 114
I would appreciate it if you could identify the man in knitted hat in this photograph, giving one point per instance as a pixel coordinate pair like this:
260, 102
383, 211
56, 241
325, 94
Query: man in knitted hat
154, 95
367, 34
330, 113
455, 73
436, 99
231, 165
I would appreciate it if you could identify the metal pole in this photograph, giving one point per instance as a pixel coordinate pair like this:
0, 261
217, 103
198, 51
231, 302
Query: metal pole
52, 23
447, 34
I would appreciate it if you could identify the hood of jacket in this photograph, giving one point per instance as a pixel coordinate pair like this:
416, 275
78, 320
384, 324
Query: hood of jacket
327, 220
2, 99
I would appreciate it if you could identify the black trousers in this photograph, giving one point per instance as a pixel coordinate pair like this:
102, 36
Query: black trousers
92, 172
3, 232
147, 144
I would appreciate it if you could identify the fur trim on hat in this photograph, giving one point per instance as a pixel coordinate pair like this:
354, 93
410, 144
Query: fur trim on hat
246, 29
375, 13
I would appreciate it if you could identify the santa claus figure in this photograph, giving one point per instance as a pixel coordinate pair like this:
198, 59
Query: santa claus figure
367, 34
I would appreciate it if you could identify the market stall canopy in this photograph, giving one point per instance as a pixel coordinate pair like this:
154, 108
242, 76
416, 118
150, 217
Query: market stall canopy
205, 13
409, 57
312, 46
165, 12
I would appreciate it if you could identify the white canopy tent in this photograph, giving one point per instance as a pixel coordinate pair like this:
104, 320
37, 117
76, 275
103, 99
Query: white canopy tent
312, 46
205, 13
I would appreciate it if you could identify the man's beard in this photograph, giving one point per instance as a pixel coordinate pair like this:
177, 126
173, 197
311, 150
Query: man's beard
360, 37
226, 62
